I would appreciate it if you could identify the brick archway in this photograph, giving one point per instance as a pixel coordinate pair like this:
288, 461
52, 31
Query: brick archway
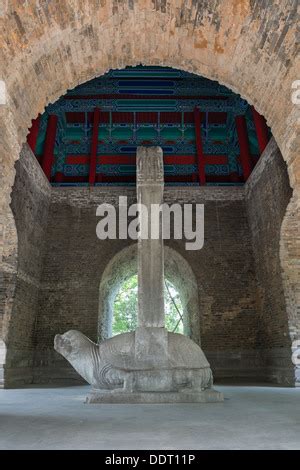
47, 48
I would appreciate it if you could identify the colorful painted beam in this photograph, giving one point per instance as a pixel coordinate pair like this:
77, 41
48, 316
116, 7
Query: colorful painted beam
231, 178
151, 117
131, 159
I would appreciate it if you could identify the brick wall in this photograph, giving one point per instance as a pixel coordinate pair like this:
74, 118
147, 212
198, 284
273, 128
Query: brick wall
75, 260
30, 204
8, 278
267, 195
53, 46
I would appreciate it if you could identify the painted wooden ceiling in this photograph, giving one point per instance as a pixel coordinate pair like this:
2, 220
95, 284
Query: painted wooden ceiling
106, 119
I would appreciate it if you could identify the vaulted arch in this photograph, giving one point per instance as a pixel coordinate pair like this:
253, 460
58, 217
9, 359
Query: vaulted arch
50, 47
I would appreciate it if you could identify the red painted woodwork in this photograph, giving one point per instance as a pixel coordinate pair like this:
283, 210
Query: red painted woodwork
245, 155
262, 131
122, 117
146, 117
33, 133
59, 177
74, 117
93, 158
131, 159
48, 155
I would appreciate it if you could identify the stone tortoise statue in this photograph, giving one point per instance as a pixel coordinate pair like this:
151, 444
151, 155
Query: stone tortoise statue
111, 365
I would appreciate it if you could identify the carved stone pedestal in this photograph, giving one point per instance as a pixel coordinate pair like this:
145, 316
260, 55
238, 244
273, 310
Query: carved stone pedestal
206, 396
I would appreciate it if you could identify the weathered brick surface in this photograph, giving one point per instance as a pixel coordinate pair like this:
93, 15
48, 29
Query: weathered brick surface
75, 260
30, 203
268, 194
8, 275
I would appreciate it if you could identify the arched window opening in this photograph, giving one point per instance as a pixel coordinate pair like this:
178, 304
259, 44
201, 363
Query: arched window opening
193, 301
125, 308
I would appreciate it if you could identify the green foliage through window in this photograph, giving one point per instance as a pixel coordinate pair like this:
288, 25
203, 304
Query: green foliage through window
126, 304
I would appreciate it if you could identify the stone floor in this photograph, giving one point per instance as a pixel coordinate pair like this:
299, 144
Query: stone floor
56, 418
